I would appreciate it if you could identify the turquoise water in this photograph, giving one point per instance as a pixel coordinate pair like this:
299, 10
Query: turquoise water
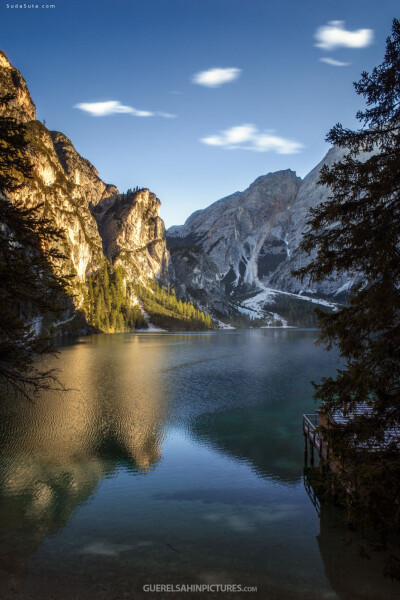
174, 459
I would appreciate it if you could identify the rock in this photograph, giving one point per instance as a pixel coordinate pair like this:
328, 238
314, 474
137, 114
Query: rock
133, 234
251, 239
239, 246
197, 276
19, 105
75, 199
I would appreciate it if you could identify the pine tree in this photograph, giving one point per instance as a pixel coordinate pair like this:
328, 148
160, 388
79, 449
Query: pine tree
358, 230
31, 282
90, 301
106, 279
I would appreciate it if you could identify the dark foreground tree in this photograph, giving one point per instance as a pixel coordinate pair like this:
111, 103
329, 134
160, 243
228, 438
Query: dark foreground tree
358, 230
30, 281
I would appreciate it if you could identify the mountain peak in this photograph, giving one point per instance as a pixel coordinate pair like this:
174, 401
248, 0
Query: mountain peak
276, 176
19, 105
4, 62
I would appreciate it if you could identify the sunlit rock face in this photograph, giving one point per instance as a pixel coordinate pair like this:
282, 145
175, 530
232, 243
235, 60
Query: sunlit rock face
134, 234
231, 249
81, 173
20, 106
62, 181
65, 203
251, 239
76, 200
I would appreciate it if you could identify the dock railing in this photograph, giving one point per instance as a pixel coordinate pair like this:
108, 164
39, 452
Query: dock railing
310, 425
310, 420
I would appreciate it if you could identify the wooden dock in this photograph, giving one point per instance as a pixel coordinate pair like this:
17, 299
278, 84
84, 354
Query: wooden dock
313, 439
316, 442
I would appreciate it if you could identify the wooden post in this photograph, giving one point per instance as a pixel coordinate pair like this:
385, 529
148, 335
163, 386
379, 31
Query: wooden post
305, 449
311, 454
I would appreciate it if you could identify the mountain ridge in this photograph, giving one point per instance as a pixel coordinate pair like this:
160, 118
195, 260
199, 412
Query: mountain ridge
71, 194
250, 241
240, 247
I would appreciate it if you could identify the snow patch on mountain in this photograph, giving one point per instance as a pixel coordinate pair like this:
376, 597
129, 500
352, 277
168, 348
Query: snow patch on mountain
247, 245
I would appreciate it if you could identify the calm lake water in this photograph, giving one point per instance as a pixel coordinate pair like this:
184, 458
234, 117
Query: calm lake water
176, 459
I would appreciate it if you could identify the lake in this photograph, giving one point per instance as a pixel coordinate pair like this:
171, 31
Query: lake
174, 459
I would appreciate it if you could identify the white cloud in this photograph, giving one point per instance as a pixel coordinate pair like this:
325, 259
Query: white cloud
112, 107
333, 62
166, 115
248, 137
334, 35
216, 77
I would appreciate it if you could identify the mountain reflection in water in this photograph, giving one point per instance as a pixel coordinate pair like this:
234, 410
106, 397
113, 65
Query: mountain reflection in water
55, 451
174, 458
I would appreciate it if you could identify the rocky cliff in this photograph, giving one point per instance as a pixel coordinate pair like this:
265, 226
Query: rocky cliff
247, 244
310, 195
243, 234
19, 103
237, 254
133, 234
75, 199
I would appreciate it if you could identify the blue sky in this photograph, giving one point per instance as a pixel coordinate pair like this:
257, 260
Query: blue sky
274, 105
